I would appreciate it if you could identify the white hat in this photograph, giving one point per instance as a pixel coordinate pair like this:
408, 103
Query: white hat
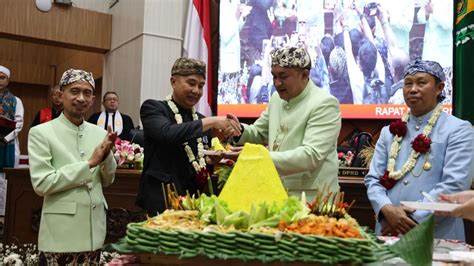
5, 70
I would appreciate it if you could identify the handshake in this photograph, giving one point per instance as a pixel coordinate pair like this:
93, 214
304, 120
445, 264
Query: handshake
224, 127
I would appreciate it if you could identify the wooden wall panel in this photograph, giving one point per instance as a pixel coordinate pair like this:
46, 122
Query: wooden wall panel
42, 64
28, 62
29, 73
14, 50
34, 97
61, 26
91, 62
98, 99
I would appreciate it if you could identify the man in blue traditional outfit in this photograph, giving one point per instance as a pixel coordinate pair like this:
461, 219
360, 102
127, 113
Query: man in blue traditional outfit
70, 162
300, 125
428, 150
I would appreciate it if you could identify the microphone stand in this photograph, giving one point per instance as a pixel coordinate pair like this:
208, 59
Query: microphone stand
135, 133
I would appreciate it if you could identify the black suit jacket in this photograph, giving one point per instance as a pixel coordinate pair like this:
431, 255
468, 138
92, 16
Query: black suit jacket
165, 158
127, 125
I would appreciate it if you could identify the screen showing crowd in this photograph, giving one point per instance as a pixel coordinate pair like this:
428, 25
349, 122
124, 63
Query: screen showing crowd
365, 73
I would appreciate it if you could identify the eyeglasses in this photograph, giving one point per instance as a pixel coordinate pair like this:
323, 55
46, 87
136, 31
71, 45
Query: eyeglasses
111, 99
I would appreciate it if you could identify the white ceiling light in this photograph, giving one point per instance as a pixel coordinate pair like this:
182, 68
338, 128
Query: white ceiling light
43, 5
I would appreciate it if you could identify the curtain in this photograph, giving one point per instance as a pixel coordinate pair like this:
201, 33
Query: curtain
464, 54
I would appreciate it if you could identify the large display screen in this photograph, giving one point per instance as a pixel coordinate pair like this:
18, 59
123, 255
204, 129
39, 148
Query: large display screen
365, 73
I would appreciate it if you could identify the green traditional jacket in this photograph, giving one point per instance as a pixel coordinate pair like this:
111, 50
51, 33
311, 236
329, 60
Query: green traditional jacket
301, 135
73, 217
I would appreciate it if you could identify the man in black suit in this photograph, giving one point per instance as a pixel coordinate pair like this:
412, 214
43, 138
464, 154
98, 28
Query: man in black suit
120, 123
176, 136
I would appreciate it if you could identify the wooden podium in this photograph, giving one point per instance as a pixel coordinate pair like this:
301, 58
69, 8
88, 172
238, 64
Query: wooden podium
23, 209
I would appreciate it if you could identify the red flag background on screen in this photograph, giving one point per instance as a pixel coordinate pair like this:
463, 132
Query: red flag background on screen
197, 44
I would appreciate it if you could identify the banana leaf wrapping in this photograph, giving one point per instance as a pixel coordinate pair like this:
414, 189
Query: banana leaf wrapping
251, 245
416, 247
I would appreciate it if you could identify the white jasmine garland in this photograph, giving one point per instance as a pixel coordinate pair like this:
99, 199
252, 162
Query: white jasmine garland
199, 163
411, 161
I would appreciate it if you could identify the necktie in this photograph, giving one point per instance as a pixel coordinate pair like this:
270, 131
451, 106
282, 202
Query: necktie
110, 121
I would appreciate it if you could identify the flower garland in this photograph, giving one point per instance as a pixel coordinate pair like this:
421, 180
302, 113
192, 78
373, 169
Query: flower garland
199, 163
421, 144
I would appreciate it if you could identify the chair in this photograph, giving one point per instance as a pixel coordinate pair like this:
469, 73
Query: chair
361, 141
137, 136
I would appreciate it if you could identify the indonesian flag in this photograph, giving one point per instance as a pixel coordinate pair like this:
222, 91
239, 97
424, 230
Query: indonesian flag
197, 44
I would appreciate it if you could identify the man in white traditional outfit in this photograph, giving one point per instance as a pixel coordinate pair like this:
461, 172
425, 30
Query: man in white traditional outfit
11, 111
428, 150
70, 162
120, 122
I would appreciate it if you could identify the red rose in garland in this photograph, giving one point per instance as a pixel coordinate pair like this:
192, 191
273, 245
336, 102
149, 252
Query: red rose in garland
421, 144
229, 163
386, 181
201, 177
398, 128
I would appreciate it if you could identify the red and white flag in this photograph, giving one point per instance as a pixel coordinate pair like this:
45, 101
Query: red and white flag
197, 44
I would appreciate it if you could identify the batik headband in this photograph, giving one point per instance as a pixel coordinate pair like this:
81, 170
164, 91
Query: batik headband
291, 57
188, 66
73, 75
430, 67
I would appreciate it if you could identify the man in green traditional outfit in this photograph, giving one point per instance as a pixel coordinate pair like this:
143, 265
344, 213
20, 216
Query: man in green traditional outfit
300, 125
70, 162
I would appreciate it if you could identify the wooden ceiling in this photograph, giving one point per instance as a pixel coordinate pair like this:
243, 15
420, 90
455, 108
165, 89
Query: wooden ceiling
39, 46
68, 27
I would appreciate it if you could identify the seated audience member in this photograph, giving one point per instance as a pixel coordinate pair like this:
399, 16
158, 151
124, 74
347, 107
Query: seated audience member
176, 136
120, 123
300, 125
49, 113
428, 150
70, 161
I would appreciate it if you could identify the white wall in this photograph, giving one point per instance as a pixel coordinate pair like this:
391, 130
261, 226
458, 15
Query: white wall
163, 30
146, 40
122, 73
96, 5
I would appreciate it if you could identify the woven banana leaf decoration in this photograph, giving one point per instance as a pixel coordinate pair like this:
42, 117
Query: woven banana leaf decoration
416, 247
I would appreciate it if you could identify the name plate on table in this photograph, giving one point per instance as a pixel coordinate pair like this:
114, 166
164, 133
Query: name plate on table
353, 171
126, 166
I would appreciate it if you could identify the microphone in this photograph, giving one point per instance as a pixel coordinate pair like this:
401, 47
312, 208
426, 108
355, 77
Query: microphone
135, 131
